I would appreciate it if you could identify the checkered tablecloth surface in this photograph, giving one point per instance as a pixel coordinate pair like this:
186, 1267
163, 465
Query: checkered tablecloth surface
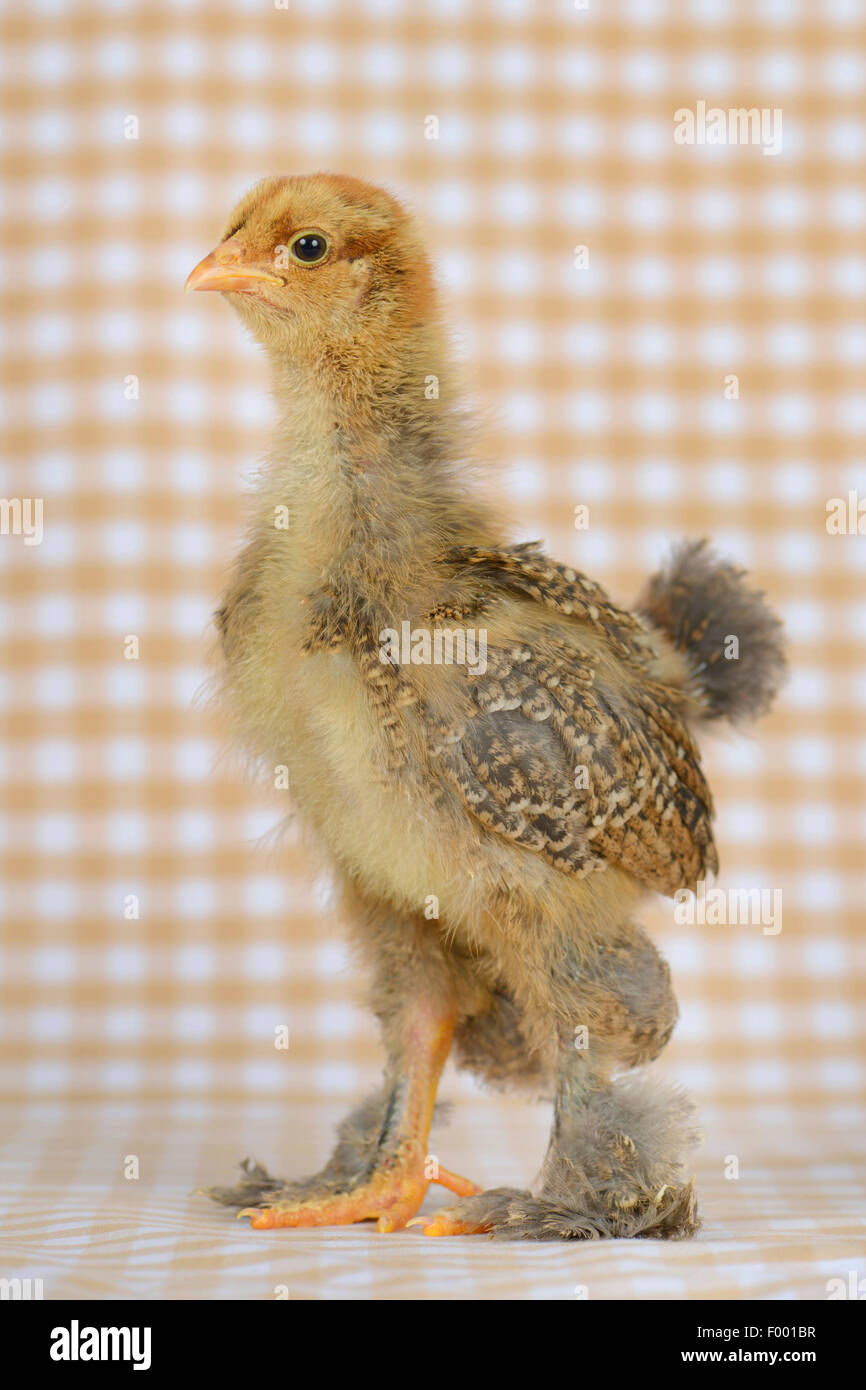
154, 930
790, 1225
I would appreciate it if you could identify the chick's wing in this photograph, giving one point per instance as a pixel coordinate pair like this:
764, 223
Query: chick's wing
579, 759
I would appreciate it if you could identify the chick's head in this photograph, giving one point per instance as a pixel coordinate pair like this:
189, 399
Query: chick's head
315, 263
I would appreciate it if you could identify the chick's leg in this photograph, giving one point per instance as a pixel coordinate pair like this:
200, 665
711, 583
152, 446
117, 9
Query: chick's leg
393, 1184
380, 1169
615, 1164
613, 1167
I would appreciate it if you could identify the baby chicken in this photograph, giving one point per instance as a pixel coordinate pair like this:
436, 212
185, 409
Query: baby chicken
497, 760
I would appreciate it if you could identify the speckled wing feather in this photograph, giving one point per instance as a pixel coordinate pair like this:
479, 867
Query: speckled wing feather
525, 569
561, 759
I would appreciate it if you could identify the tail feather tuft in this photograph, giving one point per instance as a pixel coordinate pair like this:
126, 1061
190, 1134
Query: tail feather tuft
702, 603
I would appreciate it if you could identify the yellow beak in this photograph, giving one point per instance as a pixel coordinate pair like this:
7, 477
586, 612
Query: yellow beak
224, 270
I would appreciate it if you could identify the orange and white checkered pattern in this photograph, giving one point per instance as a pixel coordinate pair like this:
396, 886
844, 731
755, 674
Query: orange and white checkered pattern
150, 943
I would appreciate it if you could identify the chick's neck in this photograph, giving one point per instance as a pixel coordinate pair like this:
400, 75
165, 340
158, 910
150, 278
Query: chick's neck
370, 458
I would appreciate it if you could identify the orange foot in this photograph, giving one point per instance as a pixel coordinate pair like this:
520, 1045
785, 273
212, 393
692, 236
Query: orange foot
390, 1197
439, 1223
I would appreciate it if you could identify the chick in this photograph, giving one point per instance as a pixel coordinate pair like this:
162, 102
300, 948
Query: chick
498, 761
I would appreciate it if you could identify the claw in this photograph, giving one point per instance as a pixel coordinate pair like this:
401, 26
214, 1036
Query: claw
254, 1213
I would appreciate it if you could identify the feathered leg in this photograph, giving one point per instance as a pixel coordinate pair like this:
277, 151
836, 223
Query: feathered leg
380, 1168
613, 1169
614, 1165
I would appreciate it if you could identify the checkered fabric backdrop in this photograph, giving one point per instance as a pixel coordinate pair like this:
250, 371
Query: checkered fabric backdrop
136, 415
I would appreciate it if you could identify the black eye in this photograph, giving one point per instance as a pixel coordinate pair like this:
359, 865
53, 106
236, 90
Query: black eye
309, 247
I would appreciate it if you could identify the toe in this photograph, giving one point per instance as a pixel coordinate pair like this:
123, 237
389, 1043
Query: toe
461, 1187
389, 1199
439, 1223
